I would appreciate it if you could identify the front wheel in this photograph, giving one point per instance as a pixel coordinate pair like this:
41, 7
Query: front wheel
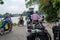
1, 32
39, 37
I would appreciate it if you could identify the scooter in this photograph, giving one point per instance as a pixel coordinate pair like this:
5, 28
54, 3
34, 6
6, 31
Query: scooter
38, 32
56, 31
7, 27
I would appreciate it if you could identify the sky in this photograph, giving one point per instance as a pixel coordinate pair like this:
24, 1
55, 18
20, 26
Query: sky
13, 6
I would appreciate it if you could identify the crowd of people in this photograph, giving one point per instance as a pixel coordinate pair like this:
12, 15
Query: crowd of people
32, 16
34, 19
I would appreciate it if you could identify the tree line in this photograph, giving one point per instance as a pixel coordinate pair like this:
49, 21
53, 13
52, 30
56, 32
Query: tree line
11, 15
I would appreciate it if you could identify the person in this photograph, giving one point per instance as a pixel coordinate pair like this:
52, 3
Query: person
6, 18
35, 17
42, 18
56, 31
29, 17
20, 20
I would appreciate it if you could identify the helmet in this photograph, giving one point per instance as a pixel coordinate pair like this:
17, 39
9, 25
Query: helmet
6, 15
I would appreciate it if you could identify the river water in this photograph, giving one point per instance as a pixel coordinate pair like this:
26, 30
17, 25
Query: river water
16, 19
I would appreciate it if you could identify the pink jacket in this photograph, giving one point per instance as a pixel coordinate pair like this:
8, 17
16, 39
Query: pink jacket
35, 16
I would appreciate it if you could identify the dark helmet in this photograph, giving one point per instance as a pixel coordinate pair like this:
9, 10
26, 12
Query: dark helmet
36, 11
6, 15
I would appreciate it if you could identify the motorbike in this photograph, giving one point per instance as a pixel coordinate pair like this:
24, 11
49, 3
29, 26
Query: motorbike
7, 27
21, 22
38, 32
28, 21
56, 32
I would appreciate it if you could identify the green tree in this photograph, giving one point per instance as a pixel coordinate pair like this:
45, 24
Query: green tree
1, 2
50, 7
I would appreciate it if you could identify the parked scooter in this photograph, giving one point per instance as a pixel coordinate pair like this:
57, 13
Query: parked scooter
38, 32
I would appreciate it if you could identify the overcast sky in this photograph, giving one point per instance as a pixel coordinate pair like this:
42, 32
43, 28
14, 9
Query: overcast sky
13, 6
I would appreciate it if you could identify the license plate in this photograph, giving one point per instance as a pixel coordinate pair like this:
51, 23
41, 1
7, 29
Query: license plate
36, 30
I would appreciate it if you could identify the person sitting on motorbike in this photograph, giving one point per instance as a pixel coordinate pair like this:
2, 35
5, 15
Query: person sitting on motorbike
29, 16
21, 21
6, 18
35, 17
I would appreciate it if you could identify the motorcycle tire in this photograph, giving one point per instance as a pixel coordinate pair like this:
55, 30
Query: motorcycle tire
41, 37
2, 33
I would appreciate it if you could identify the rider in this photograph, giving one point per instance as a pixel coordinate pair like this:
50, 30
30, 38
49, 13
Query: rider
6, 18
42, 18
35, 17
21, 21
29, 15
